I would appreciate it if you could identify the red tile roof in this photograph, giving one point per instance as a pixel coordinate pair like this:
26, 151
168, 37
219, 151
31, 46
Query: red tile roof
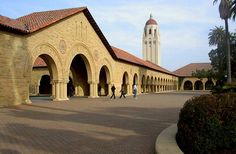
39, 62
127, 57
38, 20
187, 70
151, 22
11, 24
35, 21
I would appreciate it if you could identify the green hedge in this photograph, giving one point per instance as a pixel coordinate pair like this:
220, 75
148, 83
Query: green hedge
207, 124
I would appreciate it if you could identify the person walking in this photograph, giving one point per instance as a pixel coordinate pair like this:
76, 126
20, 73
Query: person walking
113, 89
135, 90
122, 92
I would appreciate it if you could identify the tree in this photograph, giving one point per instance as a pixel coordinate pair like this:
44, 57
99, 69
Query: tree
216, 36
218, 56
233, 9
200, 74
225, 13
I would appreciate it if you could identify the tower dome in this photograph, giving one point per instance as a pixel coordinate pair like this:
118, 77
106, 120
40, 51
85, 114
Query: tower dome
151, 21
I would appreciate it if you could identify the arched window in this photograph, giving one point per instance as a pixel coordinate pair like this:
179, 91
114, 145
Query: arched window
150, 31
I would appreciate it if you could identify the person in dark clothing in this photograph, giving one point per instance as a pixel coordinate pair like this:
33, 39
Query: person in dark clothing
122, 91
113, 89
71, 91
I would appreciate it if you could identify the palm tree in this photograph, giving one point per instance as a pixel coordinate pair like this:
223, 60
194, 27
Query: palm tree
216, 36
224, 10
233, 9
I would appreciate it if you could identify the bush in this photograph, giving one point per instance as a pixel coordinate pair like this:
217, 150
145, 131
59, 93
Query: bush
224, 89
207, 124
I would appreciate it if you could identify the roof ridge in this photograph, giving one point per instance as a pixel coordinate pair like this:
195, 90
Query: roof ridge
84, 7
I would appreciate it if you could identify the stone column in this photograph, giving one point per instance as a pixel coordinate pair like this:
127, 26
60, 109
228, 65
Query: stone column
59, 90
204, 85
93, 86
143, 89
63, 89
53, 90
109, 89
37, 89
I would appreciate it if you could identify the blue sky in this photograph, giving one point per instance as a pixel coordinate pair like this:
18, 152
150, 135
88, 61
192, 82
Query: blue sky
184, 24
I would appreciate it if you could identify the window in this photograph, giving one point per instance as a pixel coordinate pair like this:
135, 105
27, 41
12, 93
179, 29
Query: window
150, 31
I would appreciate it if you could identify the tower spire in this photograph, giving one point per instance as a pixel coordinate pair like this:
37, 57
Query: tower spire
150, 15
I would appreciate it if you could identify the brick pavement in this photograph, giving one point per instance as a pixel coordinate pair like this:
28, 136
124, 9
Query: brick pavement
88, 126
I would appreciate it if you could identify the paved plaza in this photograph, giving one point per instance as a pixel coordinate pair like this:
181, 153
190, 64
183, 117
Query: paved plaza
86, 125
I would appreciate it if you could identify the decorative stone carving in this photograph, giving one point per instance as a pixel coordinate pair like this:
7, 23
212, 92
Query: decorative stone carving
62, 46
96, 55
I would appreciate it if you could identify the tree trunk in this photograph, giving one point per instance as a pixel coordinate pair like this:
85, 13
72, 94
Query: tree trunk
229, 80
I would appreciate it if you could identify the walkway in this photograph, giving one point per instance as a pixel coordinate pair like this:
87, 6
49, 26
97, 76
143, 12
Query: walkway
84, 125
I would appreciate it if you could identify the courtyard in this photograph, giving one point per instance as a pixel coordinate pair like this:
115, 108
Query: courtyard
89, 125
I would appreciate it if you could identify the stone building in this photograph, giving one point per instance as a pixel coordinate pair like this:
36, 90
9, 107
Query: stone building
188, 82
63, 48
151, 42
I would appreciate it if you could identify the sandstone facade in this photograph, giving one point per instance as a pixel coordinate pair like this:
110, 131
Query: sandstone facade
66, 45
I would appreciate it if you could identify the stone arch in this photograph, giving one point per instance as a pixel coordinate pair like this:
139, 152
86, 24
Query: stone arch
155, 84
198, 85
209, 85
104, 81
188, 85
81, 71
125, 81
135, 79
143, 84
83, 50
51, 57
107, 64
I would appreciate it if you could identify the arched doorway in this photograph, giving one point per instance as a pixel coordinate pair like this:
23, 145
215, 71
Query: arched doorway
80, 75
209, 85
70, 88
103, 82
44, 67
198, 85
125, 82
135, 79
188, 85
143, 84
155, 84
45, 87
152, 85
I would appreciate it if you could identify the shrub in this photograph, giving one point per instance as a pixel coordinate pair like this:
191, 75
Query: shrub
207, 123
224, 89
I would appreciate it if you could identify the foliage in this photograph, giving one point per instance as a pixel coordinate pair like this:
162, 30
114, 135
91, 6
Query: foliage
233, 9
200, 74
218, 56
207, 124
227, 8
224, 88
